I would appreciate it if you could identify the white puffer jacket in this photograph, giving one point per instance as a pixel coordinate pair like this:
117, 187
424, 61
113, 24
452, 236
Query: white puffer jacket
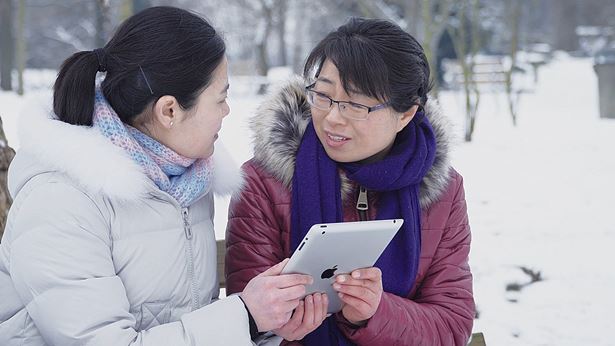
94, 253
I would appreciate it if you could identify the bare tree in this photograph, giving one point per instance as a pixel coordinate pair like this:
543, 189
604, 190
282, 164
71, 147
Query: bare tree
281, 29
20, 52
300, 33
380, 9
436, 16
140, 5
565, 21
6, 44
412, 10
467, 58
514, 11
102, 22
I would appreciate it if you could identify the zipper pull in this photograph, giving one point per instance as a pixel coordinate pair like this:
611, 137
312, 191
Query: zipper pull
187, 227
362, 200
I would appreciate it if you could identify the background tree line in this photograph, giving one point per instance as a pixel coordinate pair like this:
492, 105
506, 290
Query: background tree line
261, 34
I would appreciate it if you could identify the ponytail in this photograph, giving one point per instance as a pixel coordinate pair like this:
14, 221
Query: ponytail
158, 51
73, 91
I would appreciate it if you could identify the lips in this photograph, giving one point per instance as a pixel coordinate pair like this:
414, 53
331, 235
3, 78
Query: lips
334, 140
336, 137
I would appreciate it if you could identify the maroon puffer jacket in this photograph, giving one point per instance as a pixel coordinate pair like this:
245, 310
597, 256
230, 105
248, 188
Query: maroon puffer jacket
440, 308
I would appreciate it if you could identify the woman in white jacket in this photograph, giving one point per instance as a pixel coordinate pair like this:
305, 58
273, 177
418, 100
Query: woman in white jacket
110, 238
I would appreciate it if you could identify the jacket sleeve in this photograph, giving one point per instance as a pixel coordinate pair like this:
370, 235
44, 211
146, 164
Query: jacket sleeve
253, 234
442, 311
62, 268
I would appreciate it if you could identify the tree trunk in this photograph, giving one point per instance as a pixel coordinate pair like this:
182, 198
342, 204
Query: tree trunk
514, 13
299, 36
282, 9
413, 16
102, 22
466, 57
262, 58
6, 44
140, 5
566, 20
6, 156
434, 26
20, 52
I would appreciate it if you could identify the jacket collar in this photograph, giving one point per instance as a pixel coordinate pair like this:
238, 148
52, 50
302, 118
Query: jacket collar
91, 160
280, 122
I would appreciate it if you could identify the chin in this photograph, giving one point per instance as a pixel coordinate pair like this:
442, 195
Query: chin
339, 157
209, 153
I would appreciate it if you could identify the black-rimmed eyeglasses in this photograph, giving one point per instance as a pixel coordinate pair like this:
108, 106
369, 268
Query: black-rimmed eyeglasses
348, 109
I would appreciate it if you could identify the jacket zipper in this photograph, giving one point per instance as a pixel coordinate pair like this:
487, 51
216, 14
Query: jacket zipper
362, 204
188, 233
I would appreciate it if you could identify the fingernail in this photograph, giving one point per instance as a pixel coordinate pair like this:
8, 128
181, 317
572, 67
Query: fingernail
356, 275
340, 294
341, 278
337, 286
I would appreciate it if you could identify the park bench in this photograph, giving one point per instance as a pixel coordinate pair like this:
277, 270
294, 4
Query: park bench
477, 339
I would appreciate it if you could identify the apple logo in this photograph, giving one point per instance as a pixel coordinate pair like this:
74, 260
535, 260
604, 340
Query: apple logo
328, 273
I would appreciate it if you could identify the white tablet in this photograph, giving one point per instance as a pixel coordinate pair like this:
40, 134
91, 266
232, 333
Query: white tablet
339, 248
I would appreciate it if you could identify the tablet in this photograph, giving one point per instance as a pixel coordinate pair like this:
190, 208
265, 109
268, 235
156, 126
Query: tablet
339, 248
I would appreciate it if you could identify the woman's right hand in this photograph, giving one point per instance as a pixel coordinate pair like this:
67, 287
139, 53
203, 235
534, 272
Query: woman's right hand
271, 297
308, 316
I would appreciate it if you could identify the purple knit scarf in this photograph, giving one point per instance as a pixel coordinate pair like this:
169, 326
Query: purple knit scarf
316, 198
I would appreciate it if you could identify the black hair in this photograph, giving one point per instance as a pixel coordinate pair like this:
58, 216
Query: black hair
376, 58
158, 51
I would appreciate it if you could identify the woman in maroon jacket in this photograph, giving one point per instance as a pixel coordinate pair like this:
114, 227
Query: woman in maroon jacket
364, 131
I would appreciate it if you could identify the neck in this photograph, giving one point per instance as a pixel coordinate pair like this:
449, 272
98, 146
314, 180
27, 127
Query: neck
378, 156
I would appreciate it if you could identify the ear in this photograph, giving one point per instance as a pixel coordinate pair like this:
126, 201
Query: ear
167, 111
406, 117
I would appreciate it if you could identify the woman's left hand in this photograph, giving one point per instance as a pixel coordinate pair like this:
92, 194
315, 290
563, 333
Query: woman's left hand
361, 293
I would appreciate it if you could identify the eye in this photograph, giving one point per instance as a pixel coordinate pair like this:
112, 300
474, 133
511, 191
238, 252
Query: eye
320, 96
357, 107
223, 101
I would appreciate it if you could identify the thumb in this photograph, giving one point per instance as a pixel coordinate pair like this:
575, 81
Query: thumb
276, 269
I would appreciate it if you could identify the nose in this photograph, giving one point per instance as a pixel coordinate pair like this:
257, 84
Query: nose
226, 111
335, 116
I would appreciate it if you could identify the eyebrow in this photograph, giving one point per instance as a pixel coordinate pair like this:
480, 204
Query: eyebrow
351, 91
325, 80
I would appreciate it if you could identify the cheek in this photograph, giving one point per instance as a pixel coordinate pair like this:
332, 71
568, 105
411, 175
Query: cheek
375, 135
317, 117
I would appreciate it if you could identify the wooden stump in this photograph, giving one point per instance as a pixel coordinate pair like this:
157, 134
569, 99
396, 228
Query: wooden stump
6, 156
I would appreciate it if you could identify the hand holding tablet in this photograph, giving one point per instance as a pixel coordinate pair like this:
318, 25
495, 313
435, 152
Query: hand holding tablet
331, 249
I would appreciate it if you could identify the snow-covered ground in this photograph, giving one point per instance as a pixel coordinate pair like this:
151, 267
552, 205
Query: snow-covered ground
539, 196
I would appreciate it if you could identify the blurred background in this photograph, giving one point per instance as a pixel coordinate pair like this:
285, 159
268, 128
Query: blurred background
529, 86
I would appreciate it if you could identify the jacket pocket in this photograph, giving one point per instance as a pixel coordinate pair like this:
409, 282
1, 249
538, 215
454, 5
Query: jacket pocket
153, 314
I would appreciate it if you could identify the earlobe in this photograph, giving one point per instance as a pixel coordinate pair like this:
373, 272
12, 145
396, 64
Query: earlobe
166, 111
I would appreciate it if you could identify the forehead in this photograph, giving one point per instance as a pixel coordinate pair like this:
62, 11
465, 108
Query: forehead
329, 76
220, 75
219, 82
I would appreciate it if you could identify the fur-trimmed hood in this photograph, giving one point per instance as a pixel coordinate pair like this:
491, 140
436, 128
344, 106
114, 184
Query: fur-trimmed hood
91, 160
281, 120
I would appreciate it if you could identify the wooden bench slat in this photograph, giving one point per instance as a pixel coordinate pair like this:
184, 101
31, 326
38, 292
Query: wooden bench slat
221, 247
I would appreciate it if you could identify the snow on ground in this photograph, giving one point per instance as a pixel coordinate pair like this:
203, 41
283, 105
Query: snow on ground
539, 196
